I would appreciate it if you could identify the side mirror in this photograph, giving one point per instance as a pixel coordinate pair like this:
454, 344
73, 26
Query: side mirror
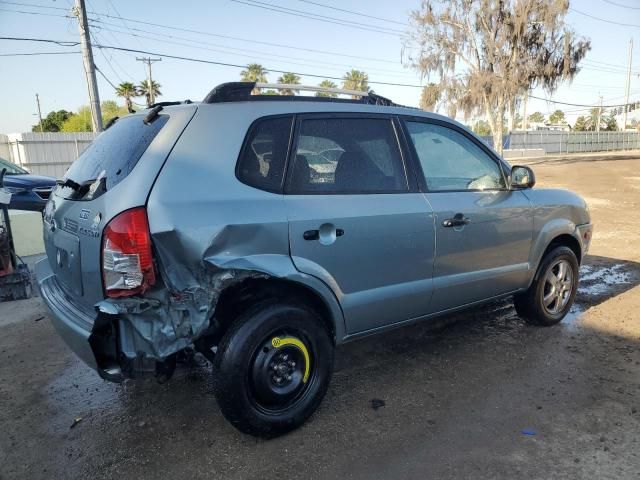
522, 177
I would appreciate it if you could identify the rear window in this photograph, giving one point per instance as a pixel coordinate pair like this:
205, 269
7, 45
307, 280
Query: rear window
112, 155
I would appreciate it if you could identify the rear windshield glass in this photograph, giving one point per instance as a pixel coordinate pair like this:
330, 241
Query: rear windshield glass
113, 154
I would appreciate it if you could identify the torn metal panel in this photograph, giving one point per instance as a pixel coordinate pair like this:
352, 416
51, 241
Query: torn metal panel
174, 314
167, 321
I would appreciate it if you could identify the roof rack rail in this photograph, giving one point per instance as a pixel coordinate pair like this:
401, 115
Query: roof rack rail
241, 91
311, 88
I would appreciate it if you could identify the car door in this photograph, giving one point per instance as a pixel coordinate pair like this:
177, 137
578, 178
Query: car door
357, 221
483, 229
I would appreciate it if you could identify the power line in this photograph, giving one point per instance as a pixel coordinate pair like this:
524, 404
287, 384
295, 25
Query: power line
210, 34
321, 18
33, 13
122, 19
352, 12
253, 42
620, 5
34, 54
250, 53
95, 39
604, 19
577, 104
233, 65
22, 4
62, 43
617, 65
105, 77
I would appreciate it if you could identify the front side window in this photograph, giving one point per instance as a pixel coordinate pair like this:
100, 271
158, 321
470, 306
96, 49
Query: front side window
451, 161
348, 155
263, 157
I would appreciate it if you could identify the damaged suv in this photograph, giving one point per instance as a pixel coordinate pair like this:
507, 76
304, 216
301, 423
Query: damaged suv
262, 231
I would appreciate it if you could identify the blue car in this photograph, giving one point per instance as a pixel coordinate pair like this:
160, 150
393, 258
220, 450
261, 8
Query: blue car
29, 192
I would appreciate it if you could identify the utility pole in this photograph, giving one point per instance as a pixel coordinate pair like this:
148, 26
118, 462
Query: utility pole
89, 66
148, 60
599, 115
39, 112
626, 93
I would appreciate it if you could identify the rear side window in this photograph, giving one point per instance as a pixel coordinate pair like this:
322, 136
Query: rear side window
348, 155
114, 153
264, 154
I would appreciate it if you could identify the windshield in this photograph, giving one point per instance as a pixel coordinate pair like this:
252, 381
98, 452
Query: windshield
112, 155
12, 168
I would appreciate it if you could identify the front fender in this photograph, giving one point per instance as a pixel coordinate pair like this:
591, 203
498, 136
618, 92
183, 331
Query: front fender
551, 230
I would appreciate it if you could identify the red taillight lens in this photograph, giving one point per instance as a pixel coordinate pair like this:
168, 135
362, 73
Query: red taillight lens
127, 261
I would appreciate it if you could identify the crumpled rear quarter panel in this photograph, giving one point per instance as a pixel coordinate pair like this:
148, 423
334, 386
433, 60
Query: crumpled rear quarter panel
209, 230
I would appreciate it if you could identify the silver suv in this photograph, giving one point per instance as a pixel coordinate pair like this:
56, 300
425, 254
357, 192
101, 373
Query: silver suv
262, 231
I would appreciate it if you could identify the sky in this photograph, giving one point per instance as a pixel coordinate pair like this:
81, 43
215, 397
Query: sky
252, 31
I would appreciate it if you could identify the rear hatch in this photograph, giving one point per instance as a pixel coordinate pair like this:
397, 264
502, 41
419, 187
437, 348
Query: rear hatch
114, 174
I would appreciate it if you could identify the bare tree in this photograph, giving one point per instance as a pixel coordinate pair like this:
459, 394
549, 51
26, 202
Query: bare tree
485, 53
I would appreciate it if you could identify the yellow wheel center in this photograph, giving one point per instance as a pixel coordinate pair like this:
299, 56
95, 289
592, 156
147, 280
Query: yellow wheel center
278, 342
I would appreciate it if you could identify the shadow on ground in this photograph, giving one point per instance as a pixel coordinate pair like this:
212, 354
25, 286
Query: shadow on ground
457, 400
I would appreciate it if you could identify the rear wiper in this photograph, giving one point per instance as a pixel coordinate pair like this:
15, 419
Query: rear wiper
69, 183
80, 189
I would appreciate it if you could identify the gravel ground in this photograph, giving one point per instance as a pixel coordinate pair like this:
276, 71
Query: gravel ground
485, 397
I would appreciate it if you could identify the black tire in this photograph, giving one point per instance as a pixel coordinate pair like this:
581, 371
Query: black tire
249, 362
530, 305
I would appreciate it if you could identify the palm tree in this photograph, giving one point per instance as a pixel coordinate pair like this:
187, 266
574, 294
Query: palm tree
327, 84
149, 93
254, 73
127, 90
356, 80
291, 79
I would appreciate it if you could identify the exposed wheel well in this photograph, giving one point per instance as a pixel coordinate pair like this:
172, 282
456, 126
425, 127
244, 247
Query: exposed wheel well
237, 298
565, 240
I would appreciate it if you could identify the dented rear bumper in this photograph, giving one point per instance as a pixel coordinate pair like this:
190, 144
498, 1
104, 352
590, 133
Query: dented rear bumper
127, 337
91, 334
72, 322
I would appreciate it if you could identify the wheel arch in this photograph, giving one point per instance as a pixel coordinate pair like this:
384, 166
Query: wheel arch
238, 297
565, 240
559, 232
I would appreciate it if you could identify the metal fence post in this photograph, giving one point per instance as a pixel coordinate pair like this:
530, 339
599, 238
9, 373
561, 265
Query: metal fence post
18, 150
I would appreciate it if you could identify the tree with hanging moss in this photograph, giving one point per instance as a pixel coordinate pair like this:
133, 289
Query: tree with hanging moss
485, 53
429, 97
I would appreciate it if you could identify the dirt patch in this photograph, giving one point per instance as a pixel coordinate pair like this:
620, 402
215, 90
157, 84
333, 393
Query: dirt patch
486, 397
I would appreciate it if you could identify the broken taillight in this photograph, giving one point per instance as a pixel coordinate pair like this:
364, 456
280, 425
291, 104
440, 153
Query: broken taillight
127, 261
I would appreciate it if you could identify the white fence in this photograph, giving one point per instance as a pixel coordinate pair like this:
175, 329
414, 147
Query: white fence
574, 142
44, 153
